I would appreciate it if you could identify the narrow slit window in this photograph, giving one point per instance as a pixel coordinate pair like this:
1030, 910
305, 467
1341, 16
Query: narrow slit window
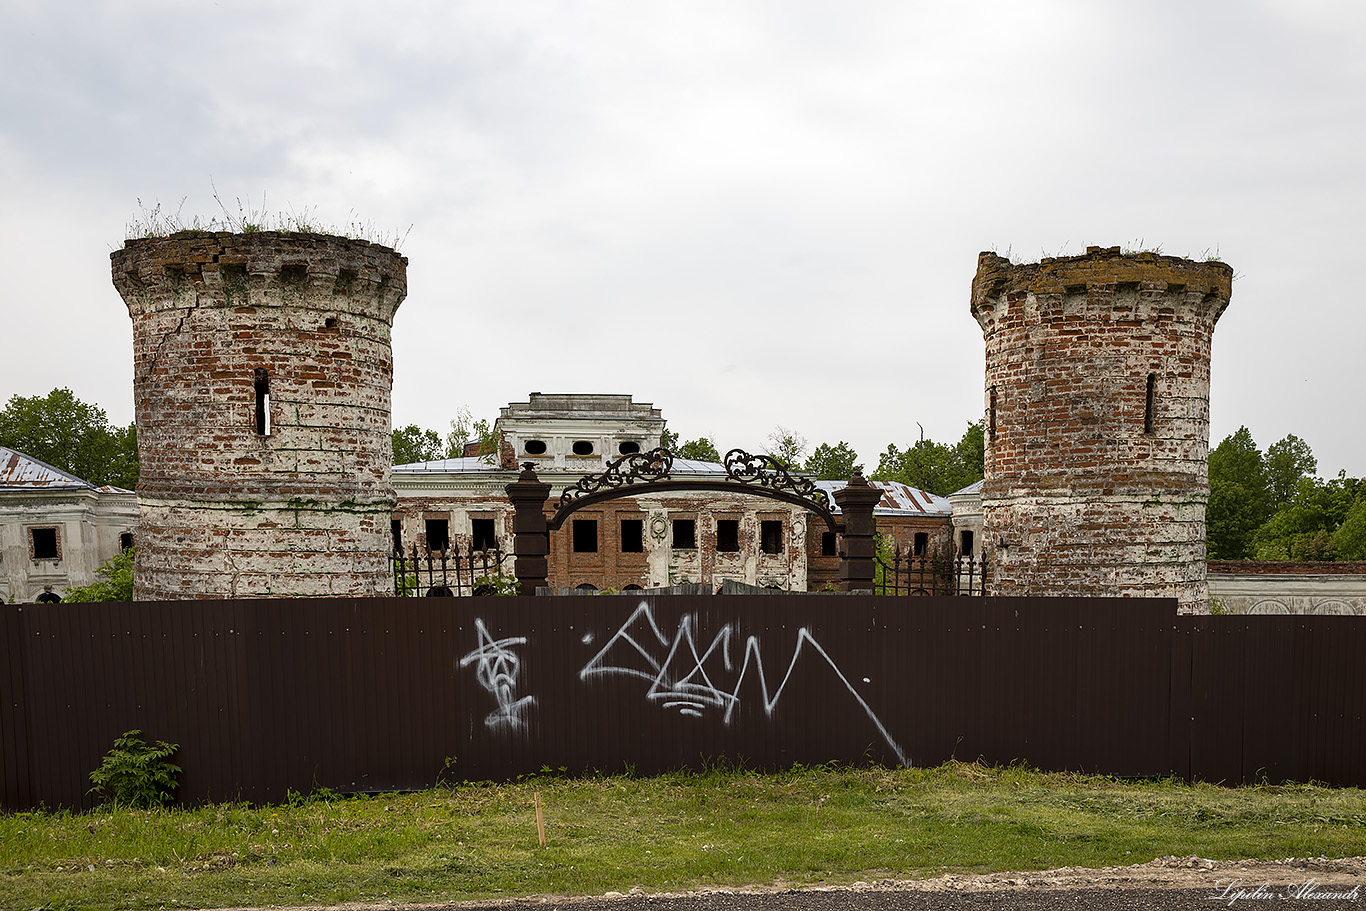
262, 402
396, 530
991, 423
1152, 395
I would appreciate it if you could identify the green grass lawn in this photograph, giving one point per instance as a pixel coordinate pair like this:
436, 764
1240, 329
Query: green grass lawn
722, 827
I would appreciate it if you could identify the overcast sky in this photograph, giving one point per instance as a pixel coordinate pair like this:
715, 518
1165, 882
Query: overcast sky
748, 213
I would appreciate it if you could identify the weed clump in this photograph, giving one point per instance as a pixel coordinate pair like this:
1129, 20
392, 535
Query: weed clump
137, 774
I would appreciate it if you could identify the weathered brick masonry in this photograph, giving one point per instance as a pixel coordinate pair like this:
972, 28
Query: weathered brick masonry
262, 376
1097, 411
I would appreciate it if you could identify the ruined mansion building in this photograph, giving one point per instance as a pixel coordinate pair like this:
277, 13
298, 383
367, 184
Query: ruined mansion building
647, 541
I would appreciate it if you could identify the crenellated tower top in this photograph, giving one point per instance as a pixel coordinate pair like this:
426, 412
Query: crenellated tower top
216, 268
1100, 273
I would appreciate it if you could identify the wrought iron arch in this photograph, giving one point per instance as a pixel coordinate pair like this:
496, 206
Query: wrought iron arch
652, 472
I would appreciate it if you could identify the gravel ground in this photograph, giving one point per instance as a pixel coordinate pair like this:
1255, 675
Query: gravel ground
1164, 884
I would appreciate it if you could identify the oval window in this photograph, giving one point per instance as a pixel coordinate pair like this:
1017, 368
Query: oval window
534, 447
629, 447
583, 447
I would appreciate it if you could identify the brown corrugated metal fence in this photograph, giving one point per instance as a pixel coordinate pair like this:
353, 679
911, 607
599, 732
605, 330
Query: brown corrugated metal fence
383, 694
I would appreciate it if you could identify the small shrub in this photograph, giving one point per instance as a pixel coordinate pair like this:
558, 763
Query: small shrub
115, 582
498, 584
136, 774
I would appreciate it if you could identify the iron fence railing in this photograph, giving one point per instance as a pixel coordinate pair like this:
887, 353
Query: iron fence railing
450, 573
930, 574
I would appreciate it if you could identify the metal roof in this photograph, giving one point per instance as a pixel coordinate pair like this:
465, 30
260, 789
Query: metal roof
456, 465
18, 471
974, 487
897, 499
467, 464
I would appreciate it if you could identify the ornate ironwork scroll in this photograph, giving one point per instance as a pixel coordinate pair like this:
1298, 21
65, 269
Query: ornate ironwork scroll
635, 468
767, 472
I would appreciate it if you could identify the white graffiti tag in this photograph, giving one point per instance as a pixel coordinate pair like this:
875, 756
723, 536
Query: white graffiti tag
692, 680
497, 673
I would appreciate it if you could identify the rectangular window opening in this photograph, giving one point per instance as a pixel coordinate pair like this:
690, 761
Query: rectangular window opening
585, 536
965, 538
685, 533
771, 536
262, 383
632, 536
126, 541
396, 530
44, 541
920, 543
727, 536
484, 537
438, 534
828, 546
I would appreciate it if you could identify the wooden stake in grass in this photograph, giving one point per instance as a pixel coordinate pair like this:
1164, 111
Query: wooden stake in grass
540, 820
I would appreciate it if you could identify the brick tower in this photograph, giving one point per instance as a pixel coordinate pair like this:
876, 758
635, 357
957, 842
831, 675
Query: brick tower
262, 374
1097, 422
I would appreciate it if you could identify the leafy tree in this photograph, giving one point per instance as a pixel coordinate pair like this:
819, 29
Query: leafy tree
462, 431
834, 463
1287, 464
1240, 497
115, 582
485, 441
414, 444
787, 447
69, 434
700, 449
972, 452
935, 467
1349, 541
467, 433
1301, 529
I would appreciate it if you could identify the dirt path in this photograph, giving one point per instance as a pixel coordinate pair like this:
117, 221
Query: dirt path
1167, 882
